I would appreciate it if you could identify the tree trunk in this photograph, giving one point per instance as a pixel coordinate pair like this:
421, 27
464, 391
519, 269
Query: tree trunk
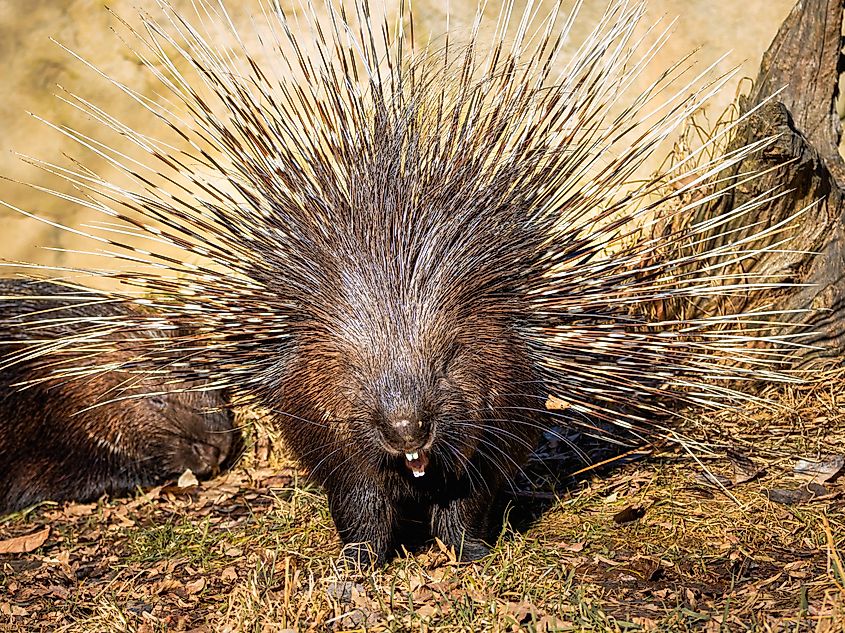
799, 76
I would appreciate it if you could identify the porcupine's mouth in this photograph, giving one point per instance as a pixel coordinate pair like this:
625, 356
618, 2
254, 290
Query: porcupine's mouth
416, 462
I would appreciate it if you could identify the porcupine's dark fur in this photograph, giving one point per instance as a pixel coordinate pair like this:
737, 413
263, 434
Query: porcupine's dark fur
402, 251
76, 439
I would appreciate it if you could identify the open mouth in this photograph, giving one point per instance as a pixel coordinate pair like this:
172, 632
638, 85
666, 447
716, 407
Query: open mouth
416, 462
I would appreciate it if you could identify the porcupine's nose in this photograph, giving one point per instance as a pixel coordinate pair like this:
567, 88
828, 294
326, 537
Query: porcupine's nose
411, 435
207, 458
409, 432
404, 429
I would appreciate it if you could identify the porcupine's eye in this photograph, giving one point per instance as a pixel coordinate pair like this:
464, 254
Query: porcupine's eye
452, 352
158, 401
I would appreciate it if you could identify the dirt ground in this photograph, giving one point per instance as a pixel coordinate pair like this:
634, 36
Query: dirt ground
743, 532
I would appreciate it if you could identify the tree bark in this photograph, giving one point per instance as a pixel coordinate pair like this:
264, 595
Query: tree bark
798, 88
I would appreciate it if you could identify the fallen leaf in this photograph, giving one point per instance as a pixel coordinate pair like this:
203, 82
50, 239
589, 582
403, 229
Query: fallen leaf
629, 514
572, 547
744, 468
712, 479
794, 497
522, 612
277, 481
449, 551
13, 610
549, 623
344, 590
195, 586
553, 403
228, 574
24, 544
79, 509
166, 586
823, 470
187, 479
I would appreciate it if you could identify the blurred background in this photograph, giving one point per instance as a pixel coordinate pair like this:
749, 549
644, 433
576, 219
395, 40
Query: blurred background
35, 70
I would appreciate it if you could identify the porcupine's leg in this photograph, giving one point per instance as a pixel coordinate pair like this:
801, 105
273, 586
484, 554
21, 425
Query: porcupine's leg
461, 521
365, 519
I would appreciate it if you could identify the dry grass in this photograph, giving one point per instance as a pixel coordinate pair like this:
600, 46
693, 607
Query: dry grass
649, 545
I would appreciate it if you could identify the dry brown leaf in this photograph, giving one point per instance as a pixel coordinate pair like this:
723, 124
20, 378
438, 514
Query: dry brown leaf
449, 551
277, 481
24, 544
744, 468
229, 574
187, 479
7, 608
165, 586
549, 623
629, 514
79, 509
708, 478
521, 611
794, 497
572, 547
195, 586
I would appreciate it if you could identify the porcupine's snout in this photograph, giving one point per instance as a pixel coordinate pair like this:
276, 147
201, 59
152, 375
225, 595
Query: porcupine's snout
409, 434
206, 432
206, 459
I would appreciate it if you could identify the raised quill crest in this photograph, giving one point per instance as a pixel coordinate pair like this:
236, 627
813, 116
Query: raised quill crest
342, 183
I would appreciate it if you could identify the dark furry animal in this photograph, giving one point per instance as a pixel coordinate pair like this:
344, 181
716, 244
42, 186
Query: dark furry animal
402, 251
412, 427
75, 439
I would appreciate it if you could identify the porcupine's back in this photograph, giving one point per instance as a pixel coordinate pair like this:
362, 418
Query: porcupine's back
105, 430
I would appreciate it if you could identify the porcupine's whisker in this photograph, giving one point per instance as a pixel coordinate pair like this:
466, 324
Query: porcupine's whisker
473, 424
347, 460
462, 441
545, 429
521, 441
470, 468
483, 449
287, 414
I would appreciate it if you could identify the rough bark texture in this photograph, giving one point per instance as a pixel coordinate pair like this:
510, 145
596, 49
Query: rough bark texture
799, 77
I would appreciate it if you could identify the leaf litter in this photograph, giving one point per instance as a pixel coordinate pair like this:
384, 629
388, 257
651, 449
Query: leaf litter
636, 545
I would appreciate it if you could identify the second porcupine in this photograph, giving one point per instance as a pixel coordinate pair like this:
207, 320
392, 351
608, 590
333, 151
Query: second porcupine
419, 246
105, 431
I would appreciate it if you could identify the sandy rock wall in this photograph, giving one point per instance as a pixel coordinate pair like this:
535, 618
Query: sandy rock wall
35, 70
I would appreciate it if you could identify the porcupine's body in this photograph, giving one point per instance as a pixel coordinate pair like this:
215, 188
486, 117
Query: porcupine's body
403, 252
76, 439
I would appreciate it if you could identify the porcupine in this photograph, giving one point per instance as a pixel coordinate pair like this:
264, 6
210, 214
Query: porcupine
405, 250
76, 439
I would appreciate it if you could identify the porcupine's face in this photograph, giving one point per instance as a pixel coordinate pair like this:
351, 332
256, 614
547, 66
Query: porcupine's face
414, 408
158, 435
198, 431
415, 400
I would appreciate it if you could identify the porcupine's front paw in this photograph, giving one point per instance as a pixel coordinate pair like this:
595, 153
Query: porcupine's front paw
365, 521
457, 524
361, 556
